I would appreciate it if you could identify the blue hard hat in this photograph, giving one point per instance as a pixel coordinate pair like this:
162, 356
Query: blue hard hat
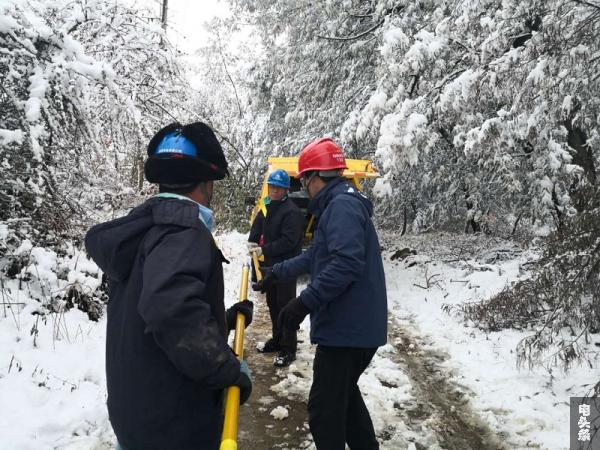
279, 178
183, 154
176, 143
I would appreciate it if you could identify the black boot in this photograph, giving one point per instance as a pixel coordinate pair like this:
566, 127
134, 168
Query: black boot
270, 346
284, 358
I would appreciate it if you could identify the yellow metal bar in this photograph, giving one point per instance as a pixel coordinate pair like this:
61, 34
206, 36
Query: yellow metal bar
363, 168
228, 444
308, 230
256, 266
238, 341
232, 400
358, 170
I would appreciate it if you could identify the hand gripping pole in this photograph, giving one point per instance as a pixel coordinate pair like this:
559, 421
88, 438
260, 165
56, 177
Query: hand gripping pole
232, 399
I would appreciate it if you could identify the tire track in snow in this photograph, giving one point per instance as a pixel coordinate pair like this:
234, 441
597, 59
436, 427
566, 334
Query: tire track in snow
440, 404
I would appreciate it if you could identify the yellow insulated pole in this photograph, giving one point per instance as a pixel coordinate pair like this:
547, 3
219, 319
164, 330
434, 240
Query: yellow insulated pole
232, 401
256, 266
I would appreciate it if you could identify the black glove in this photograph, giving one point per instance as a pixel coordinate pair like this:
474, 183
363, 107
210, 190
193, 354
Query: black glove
268, 277
244, 382
246, 307
292, 314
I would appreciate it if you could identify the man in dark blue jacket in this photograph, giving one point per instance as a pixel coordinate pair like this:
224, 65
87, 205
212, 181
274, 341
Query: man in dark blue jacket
346, 299
167, 358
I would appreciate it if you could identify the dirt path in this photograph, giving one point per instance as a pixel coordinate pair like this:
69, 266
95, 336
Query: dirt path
439, 406
442, 404
258, 429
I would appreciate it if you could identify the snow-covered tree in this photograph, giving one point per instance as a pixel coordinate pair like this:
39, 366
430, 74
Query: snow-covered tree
224, 69
483, 112
84, 85
483, 115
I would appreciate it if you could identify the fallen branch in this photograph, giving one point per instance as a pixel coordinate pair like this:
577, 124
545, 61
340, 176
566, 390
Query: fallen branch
428, 281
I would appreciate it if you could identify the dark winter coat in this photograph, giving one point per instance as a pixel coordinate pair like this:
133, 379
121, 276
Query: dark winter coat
282, 231
167, 359
347, 294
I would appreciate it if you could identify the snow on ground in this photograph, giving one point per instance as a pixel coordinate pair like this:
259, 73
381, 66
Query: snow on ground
532, 406
280, 413
52, 384
527, 408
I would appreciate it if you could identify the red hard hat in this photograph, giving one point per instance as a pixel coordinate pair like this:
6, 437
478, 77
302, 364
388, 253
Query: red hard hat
322, 154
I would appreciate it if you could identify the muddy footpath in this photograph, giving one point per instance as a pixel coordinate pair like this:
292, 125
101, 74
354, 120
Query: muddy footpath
440, 407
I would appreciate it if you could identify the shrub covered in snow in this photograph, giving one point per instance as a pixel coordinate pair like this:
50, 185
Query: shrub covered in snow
57, 279
560, 302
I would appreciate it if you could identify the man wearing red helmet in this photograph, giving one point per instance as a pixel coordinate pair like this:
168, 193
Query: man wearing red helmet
346, 299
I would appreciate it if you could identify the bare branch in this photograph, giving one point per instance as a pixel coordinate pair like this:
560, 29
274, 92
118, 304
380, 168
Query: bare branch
235, 149
352, 38
586, 3
164, 14
360, 16
237, 98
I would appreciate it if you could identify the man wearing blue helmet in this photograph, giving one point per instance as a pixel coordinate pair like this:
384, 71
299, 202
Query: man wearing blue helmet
167, 358
278, 236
